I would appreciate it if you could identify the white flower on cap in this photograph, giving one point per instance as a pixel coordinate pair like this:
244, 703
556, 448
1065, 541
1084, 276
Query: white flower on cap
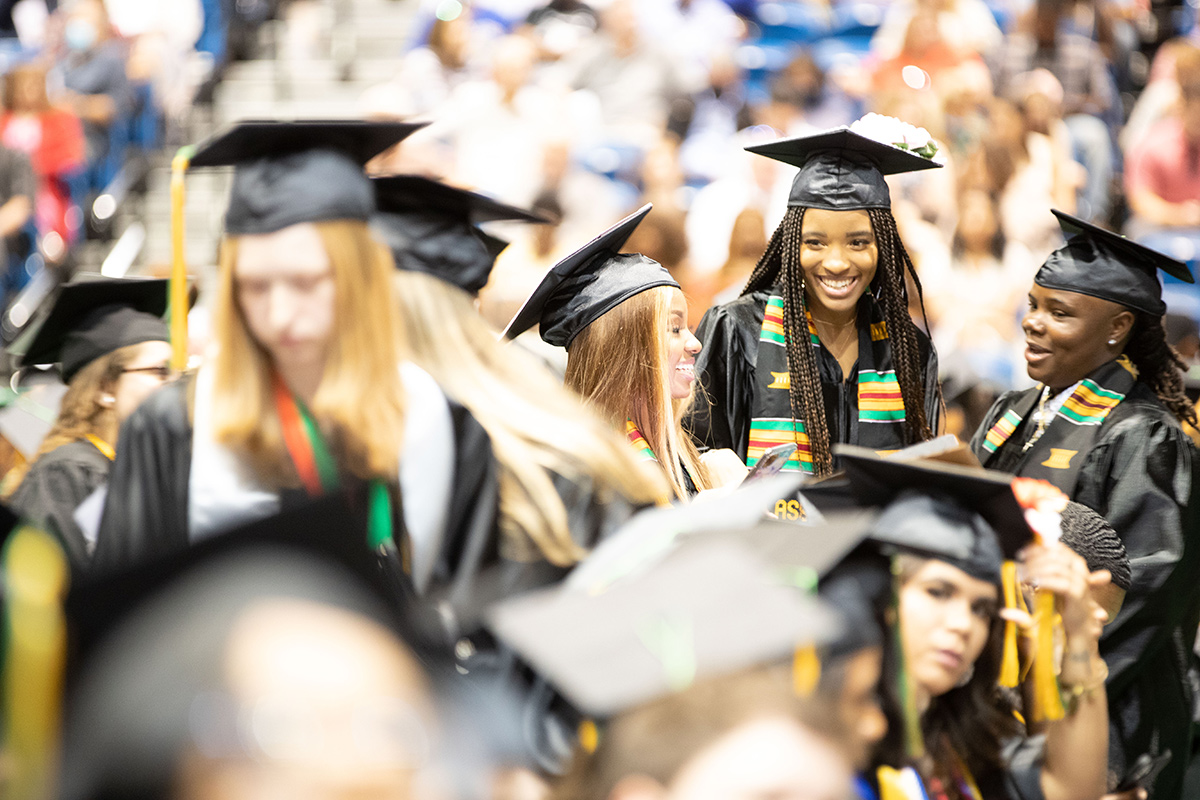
897, 133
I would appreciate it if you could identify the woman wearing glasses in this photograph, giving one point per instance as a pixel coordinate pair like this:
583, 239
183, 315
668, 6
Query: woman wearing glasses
111, 344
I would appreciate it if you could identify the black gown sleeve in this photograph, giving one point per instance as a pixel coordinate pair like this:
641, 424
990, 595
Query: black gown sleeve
720, 416
146, 511
1139, 478
933, 399
54, 487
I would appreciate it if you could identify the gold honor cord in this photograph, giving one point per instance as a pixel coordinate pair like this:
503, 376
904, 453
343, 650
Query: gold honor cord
35, 582
178, 296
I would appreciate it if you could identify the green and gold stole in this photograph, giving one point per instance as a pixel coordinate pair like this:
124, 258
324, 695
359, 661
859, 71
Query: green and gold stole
317, 467
638, 442
880, 406
1055, 456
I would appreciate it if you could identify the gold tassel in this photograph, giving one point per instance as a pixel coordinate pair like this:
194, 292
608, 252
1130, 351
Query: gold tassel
899, 784
806, 671
1047, 699
1010, 665
589, 736
178, 288
35, 576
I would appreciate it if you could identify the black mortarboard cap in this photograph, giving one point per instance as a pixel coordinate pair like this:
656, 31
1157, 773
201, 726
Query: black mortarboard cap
430, 227
93, 316
703, 612
588, 284
963, 515
1104, 264
293, 172
841, 170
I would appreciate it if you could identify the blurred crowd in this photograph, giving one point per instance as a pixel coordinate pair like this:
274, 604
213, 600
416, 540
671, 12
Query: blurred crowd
586, 110
92, 91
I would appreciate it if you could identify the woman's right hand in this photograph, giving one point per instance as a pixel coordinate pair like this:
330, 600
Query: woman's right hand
1058, 569
724, 467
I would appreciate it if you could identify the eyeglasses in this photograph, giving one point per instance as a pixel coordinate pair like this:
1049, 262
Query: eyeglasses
162, 371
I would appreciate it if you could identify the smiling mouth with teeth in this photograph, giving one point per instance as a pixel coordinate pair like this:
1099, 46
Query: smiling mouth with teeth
837, 284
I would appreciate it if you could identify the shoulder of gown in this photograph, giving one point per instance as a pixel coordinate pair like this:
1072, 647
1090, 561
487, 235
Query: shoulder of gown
1002, 404
728, 333
1139, 476
54, 487
145, 512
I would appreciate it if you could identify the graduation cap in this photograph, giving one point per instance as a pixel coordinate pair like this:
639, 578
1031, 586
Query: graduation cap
430, 227
303, 171
841, 170
91, 317
966, 516
1104, 264
588, 284
703, 612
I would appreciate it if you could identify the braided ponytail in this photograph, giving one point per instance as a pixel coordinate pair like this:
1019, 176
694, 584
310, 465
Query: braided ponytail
1159, 366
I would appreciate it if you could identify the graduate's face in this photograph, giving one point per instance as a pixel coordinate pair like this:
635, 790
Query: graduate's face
1067, 335
945, 617
145, 372
858, 702
682, 348
286, 290
838, 254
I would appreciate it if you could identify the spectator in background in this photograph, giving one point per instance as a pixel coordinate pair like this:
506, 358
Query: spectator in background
967, 25
1045, 40
560, 26
98, 90
53, 140
924, 61
808, 100
634, 81
691, 33
17, 190
974, 298
1162, 175
498, 125
428, 74
708, 121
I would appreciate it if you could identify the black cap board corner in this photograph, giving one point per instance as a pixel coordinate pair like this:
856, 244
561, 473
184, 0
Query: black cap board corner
841, 170
92, 316
291, 172
589, 283
1103, 264
431, 227
938, 492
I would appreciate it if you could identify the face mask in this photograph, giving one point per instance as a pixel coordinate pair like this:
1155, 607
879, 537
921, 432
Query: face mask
79, 35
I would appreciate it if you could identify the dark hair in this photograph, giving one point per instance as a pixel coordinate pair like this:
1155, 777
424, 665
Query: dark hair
1090, 535
1159, 366
780, 263
968, 722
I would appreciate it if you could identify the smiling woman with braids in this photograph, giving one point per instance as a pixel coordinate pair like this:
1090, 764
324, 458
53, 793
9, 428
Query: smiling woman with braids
820, 348
1103, 425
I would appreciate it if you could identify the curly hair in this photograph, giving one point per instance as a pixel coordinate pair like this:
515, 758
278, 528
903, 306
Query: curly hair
780, 264
1159, 366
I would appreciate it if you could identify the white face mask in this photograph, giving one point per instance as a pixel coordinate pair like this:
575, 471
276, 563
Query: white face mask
80, 35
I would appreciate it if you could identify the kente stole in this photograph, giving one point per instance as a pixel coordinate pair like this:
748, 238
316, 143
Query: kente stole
1058, 455
880, 406
638, 442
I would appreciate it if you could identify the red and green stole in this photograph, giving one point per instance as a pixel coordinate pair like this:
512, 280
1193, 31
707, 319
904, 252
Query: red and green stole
880, 412
317, 467
638, 442
1058, 455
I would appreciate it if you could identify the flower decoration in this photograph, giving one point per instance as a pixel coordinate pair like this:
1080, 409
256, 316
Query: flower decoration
1043, 503
897, 133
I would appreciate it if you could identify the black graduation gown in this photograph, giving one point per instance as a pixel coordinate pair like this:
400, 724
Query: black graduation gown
1139, 476
57, 482
146, 514
721, 416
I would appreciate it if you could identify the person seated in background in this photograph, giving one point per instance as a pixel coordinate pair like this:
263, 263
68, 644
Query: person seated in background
1162, 171
53, 140
97, 89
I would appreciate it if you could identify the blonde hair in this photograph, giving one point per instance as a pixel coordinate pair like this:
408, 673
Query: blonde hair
81, 412
618, 364
359, 404
536, 427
